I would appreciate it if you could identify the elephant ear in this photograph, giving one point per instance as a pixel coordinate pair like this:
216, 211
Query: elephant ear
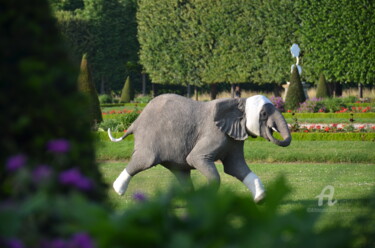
229, 117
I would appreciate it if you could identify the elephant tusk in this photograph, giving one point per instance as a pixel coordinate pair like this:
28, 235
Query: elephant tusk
274, 129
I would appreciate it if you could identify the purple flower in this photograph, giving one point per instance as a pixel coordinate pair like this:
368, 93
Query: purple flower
75, 178
14, 243
140, 197
58, 146
82, 240
58, 243
15, 162
41, 172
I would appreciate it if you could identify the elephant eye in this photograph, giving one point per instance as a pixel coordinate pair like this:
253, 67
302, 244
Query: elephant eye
263, 115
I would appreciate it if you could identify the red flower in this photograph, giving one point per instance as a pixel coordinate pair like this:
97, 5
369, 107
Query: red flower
326, 129
289, 111
318, 127
306, 131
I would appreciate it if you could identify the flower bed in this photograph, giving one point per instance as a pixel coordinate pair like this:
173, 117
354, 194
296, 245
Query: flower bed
333, 128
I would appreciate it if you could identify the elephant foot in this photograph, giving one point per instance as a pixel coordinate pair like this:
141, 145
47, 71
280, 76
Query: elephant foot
254, 184
260, 199
122, 182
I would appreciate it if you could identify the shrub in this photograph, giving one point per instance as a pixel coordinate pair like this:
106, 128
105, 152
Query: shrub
120, 122
86, 86
127, 94
322, 89
105, 99
143, 99
278, 102
312, 105
295, 94
334, 104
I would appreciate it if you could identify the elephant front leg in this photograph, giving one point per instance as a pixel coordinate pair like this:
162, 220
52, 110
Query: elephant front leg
235, 165
256, 187
122, 182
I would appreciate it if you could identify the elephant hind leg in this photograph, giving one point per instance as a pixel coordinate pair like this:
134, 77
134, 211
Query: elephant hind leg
139, 162
206, 167
184, 178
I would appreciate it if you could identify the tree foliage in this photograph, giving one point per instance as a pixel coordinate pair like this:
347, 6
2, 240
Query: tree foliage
197, 41
337, 37
106, 31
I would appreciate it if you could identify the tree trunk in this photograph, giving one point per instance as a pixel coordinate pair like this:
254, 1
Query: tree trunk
277, 89
102, 85
143, 78
232, 89
188, 89
154, 90
196, 92
360, 90
213, 91
338, 89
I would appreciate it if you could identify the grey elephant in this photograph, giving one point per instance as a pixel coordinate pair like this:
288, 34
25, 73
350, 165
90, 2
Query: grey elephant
182, 134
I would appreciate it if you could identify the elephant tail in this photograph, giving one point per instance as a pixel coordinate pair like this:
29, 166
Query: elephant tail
128, 132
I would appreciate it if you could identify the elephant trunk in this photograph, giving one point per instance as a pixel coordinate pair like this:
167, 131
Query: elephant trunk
282, 126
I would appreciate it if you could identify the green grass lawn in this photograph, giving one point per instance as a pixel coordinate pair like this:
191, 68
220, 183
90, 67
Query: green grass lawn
261, 151
351, 182
308, 166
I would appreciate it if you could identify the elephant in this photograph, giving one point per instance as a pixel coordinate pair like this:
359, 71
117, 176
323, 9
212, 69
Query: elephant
182, 134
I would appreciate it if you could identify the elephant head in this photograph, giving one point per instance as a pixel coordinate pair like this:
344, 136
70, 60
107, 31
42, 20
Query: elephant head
254, 116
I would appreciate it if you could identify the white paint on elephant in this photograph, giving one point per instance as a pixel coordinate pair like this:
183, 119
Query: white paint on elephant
253, 106
122, 182
256, 187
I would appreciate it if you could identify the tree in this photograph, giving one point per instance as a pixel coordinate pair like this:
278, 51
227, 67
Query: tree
278, 23
295, 94
338, 39
107, 31
197, 42
127, 94
86, 86
322, 88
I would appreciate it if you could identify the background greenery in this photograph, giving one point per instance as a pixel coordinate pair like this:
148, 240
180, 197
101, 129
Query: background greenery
205, 42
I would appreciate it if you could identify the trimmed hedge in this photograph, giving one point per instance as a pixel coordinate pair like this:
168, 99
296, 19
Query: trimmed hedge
329, 115
108, 105
103, 136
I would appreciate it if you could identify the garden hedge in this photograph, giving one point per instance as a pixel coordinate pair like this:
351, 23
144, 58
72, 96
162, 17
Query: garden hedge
109, 105
329, 115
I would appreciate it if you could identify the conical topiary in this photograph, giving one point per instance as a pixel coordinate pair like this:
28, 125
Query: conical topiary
295, 94
86, 86
127, 94
322, 89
